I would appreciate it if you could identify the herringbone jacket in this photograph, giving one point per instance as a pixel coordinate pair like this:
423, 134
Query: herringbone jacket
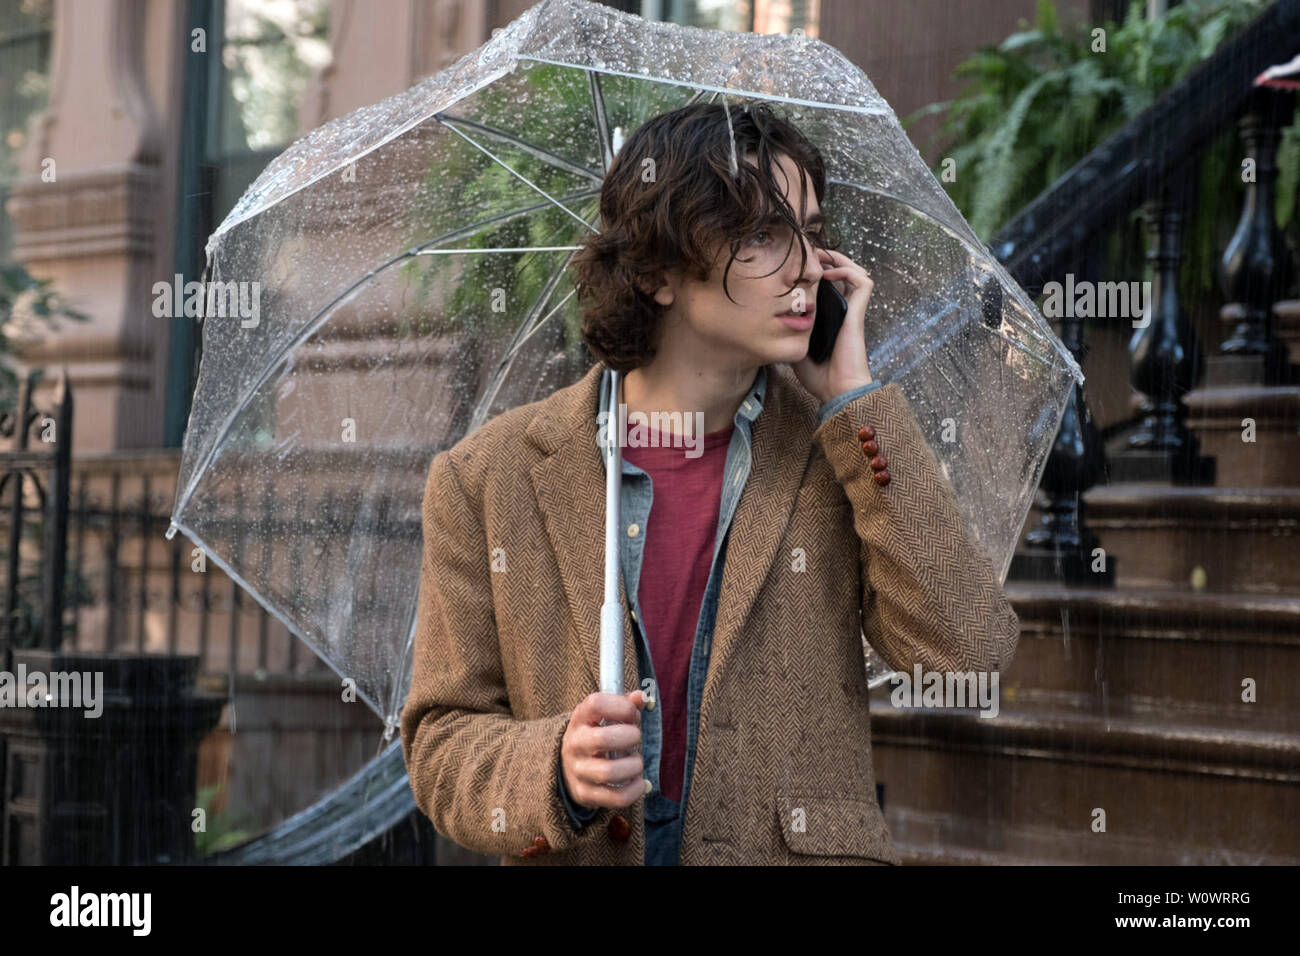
507, 637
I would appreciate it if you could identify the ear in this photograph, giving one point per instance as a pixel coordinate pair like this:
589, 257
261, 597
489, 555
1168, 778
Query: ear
666, 291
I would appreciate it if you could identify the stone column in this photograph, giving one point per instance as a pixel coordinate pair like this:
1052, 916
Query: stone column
94, 210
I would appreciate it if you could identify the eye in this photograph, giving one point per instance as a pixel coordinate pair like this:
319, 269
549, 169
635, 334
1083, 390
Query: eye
759, 238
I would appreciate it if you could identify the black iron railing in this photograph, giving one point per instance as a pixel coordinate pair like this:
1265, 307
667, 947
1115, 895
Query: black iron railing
35, 617
1149, 163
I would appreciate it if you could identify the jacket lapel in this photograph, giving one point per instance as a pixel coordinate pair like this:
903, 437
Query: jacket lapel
570, 487
781, 449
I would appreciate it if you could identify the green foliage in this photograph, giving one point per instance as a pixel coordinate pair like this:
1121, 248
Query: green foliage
1037, 103
25, 37
225, 828
1288, 179
550, 107
19, 291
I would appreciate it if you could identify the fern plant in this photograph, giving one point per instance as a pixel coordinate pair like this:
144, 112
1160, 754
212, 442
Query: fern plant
1035, 104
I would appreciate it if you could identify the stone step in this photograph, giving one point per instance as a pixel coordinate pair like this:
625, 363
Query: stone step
1287, 312
1272, 459
1240, 539
1158, 654
1286, 325
943, 839
1024, 787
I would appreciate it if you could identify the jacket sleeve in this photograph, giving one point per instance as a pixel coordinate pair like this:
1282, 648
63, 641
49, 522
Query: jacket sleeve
579, 816
484, 778
929, 591
839, 401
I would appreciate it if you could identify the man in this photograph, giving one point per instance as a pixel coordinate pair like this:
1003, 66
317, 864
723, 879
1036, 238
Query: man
806, 511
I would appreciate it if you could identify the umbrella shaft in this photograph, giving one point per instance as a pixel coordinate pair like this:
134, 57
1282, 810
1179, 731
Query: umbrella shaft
611, 612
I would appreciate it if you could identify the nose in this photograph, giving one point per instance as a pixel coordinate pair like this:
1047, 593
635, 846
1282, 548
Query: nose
812, 270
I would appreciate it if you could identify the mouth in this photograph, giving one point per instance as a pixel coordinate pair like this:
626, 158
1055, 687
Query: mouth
798, 320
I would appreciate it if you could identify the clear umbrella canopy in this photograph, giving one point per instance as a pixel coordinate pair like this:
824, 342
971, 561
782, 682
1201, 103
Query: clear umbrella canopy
403, 271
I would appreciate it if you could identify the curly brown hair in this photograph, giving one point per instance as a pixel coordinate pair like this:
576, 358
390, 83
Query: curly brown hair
669, 201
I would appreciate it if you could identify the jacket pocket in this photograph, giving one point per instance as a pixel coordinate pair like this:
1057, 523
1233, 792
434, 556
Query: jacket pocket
834, 823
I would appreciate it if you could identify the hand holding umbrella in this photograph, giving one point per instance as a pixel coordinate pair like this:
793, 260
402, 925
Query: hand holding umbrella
599, 757
847, 367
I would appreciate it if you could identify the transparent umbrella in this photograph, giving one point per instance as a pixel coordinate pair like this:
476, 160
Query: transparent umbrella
404, 272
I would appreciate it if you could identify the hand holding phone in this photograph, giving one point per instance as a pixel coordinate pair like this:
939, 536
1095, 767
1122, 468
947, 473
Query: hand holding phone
830, 366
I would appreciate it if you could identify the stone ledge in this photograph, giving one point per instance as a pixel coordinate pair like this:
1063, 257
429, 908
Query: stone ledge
108, 212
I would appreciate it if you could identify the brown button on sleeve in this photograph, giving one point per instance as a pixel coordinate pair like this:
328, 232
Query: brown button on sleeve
619, 829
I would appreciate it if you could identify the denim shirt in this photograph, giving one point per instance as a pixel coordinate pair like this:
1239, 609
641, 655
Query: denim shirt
663, 816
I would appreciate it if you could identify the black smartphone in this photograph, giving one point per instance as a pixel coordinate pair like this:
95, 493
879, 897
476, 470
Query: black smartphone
831, 309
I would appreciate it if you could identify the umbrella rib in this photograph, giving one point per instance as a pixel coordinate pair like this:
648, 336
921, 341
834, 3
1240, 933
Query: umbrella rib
317, 647
739, 93
443, 252
541, 153
542, 298
318, 319
498, 376
531, 323
480, 224
529, 327
508, 168
600, 117
535, 327
834, 181
1015, 343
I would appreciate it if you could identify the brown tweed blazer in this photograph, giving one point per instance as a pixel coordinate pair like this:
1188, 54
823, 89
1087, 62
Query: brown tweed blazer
507, 637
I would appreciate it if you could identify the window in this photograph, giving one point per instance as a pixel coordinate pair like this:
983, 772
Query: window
739, 16
241, 111
269, 52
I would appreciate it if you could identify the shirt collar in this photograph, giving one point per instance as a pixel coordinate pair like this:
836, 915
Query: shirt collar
753, 403
749, 408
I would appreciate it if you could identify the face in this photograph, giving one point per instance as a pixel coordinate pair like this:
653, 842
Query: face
748, 329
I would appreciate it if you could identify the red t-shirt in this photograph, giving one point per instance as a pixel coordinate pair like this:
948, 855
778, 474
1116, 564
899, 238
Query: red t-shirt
675, 567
